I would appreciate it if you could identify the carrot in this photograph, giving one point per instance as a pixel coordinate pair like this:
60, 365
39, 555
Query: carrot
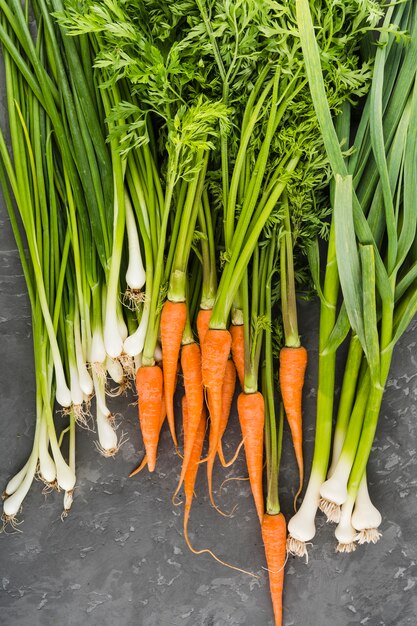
193, 384
251, 411
189, 483
144, 461
228, 390
173, 318
274, 535
149, 385
214, 357
191, 470
229, 386
238, 350
203, 321
292, 367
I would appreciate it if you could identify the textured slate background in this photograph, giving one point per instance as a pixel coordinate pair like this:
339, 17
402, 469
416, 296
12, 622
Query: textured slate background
120, 557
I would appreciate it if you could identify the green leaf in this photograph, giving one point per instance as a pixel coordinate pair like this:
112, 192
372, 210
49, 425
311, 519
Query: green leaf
339, 332
370, 317
313, 256
347, 256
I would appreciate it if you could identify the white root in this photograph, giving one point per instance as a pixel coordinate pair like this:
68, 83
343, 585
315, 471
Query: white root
366, 518
331, 510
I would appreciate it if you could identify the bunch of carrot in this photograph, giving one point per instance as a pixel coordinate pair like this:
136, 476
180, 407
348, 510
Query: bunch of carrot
174, 156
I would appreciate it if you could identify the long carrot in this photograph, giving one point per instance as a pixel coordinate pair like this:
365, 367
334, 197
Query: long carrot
203, 321
238, 350
173, 318
229, 386
229, 383
214, 356
193, 462
274, 535
144, 461
149, 385
292, 367
193, 385
251, 411
189, 484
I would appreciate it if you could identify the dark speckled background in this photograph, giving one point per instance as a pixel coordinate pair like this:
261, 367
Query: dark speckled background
120, 558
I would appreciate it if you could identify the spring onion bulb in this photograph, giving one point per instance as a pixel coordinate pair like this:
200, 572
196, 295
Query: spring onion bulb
85, 380
301, 527
135, 274
107, 437
98, 351
47, 468
12, 504
77, 396
63, 393
133, 345
16, 480
113, 341
68, 500
333, 491
366, 518
115, 370
345, 533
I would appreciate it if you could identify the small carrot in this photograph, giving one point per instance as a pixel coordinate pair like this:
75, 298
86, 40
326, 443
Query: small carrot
292, 367
203, 321
191, 470
229, 386
214, 357
251, 411
229, 383
193, 385
238, 350
274, 535
149, 386
189, 484
173, 318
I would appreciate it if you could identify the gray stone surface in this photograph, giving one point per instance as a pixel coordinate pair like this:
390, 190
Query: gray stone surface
120, 557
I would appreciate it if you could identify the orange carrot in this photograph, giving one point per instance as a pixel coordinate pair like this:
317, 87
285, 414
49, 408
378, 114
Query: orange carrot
144, 461
193, 463
149, 385
238, 350
214, 357
173, 318
251, 411
292, 367
193, 384
274, 535
189, 483
228, 390
229, 386
203, 321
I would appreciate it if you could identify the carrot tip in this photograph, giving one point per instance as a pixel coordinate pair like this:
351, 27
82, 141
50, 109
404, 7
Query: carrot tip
140, 468
330, 509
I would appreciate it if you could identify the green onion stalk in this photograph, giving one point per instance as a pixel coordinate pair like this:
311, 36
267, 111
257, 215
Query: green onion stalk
368, 282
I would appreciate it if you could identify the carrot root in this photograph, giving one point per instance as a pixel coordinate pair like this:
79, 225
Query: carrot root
251, 411
193, 385
149, 385
274, 533
238, 350
173, 319
292, 367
